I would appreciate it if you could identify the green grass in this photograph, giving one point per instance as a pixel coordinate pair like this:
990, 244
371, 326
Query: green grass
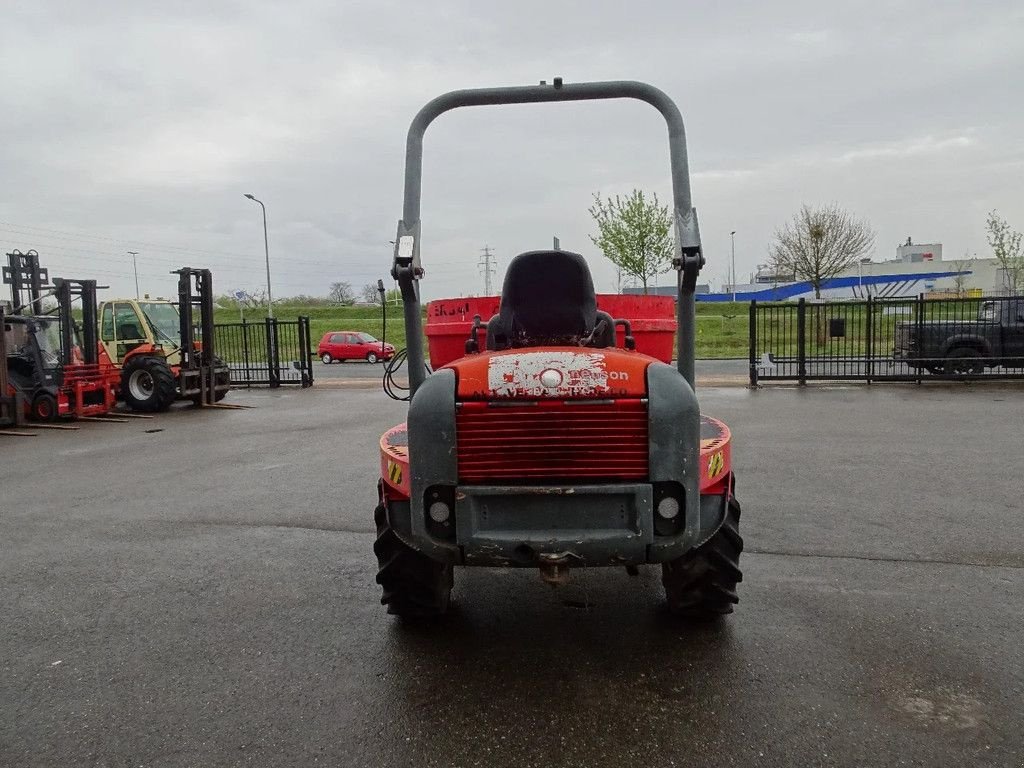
722, 328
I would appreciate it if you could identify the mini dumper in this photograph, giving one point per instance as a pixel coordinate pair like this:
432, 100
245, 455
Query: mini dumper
546, 446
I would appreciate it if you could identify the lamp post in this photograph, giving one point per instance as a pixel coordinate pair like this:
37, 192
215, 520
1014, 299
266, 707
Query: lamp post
266, 248
136, 268
732, 236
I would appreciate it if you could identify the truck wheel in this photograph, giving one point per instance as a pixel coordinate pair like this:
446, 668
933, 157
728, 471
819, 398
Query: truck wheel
702, 584
964, 360
44, 407
147, 384
414, 586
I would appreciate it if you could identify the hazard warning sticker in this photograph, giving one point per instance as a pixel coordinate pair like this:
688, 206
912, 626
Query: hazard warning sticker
395, 472
715, 465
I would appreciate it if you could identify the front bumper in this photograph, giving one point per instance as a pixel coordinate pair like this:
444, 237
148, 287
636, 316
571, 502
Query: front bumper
587, 525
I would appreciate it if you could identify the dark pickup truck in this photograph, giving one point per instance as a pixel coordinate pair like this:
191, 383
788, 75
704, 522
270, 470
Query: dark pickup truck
964, 345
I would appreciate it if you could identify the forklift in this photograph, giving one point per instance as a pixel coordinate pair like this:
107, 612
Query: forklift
154, 346
48, 367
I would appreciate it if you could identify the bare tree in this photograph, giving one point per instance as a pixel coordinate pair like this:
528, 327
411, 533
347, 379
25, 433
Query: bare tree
635, 234
342, 293
819, 243
963, 270
1007, 248
369, 294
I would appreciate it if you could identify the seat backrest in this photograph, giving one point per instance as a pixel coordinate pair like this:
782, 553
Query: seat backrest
128, 331
547, 299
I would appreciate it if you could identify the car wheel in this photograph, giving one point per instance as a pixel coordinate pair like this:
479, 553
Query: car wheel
326, 358
371, 357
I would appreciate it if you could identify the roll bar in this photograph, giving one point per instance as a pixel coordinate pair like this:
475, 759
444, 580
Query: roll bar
688, 259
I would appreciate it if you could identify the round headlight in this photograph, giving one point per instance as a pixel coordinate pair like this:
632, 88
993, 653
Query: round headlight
668, 508
439, 512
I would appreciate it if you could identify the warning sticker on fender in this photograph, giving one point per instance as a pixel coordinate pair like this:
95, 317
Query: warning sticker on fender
715, 465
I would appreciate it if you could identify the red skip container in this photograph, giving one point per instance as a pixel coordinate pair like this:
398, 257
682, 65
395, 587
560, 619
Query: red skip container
652, 318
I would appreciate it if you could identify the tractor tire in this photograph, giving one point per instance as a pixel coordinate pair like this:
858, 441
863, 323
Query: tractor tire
44, 407
701, 584
326, 358
964, 361
414, 586
372, 357
148, 385
222, 378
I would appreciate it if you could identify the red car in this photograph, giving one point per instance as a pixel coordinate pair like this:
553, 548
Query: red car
339, 346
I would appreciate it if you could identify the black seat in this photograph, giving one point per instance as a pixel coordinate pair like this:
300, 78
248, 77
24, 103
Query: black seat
548, 299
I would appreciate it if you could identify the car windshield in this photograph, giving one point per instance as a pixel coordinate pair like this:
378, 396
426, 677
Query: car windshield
988, 311
365, 337
163, 318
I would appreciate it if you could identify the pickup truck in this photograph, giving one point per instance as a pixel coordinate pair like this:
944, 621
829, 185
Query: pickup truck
965, 346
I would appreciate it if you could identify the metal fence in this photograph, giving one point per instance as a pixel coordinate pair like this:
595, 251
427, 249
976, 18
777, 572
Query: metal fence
267, 353
914, 339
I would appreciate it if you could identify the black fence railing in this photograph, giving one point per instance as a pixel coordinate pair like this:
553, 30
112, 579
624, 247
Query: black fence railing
914, 339
266, 353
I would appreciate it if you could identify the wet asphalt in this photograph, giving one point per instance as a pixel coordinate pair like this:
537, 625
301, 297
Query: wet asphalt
197, 590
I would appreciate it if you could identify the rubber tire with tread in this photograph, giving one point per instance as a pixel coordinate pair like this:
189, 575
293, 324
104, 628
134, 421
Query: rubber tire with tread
326, 358
964, 355
165, 385
44, 407
217, 395
414, 586
372, 357
702, 583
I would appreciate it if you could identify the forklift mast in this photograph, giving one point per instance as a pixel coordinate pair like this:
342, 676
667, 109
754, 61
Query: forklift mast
66, 291
195, 289
27, 280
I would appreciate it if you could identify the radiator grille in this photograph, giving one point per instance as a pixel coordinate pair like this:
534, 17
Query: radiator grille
551, 441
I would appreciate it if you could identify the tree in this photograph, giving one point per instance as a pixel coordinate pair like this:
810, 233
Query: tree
635, 234
1007, 248
963, 270
369, 294
819, 243
342, 293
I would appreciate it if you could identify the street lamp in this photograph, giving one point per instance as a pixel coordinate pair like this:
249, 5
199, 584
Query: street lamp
266, 248
732, 236
136, 268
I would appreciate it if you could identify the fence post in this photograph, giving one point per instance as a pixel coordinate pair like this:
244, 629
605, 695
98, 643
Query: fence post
801, 340
273, 363
305, 351
919, 330
753, 342
245, 352
870, 344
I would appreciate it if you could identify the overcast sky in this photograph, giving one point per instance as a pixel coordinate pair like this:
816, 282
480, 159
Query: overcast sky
141, 128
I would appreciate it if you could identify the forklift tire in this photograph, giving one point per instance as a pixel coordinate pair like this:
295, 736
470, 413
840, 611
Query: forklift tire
44, 407
414, 586
701, 584
148, 385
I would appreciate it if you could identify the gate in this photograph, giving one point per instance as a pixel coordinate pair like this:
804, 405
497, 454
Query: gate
267, 353
915, 339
